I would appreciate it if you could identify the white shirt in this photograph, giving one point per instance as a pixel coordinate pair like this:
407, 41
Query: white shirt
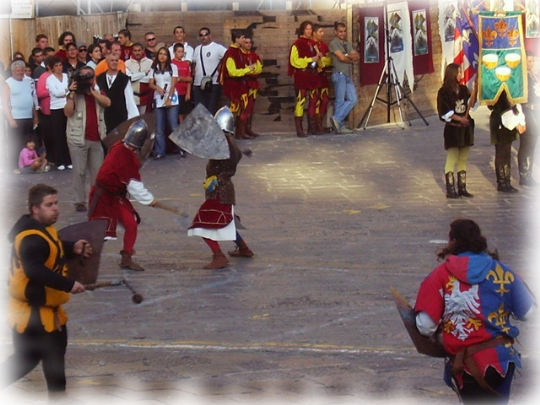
188, 52
164, 81
58, 90
212, 55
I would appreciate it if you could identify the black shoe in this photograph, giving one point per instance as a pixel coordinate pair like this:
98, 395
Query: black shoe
507, 188
528, 181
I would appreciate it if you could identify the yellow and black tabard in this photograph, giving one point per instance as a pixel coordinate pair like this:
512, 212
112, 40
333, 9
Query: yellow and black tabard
44, 287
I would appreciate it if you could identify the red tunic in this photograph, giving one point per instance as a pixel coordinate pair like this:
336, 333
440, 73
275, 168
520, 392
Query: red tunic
304, 78
251, 80
322, 73
234, 87
119, 167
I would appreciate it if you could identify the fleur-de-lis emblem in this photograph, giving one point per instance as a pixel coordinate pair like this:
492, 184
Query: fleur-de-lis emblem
513, 36
489, 36
502, 27
501, 278
499, 318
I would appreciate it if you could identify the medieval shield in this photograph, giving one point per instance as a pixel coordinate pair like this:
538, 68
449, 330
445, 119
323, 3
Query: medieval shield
85, 269
201, 135
424, 345
119, 132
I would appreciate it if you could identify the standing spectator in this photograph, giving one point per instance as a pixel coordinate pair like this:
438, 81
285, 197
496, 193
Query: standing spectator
468, 301
343, 57
117, 87
454, 101
206, 60
35, 60
72, 62
183, 84
303, 58
252, 83
82, 52
57, 84
163, 78
38, 286
44, 128
506, 122
94, 55
65, 38
18, 107
325, 62
86, 129
103, 45
42, 41
115, 49
179, 38
29, 161
126, 45
151, 41
528, 139
47, 53
234, 70
138, 69
108, 37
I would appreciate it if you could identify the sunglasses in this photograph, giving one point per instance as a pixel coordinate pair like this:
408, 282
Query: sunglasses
150, 39
82, 50
204, 35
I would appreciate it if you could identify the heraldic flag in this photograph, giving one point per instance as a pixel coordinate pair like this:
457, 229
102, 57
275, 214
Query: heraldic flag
466, 43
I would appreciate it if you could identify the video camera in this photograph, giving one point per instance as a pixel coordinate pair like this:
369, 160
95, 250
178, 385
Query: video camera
84, 80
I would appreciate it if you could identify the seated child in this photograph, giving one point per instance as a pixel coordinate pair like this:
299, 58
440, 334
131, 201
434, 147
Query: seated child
29, 161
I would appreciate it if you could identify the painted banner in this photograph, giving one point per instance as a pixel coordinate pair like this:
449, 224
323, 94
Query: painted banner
400, 39
502, 56
421, 33
372, 45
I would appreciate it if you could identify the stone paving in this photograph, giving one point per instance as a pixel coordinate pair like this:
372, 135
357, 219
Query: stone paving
334, 221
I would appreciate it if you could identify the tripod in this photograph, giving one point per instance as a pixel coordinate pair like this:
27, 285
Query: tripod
389, 78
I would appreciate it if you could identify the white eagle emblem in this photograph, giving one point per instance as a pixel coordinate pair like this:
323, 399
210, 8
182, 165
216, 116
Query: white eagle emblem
461, 310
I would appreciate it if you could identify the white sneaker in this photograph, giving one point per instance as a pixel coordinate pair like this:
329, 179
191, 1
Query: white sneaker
70, 167
61, 167
106, 238
46, 169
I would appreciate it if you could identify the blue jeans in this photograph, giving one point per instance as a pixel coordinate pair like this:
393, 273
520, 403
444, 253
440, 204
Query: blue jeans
345, 96
164, 113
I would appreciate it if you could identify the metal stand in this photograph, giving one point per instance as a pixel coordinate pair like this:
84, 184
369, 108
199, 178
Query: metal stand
389, 78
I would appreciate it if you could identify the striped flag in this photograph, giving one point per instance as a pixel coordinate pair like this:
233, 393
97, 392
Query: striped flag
466, 47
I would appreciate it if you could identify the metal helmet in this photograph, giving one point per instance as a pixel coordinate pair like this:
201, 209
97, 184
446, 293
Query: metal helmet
136, 134
225, 119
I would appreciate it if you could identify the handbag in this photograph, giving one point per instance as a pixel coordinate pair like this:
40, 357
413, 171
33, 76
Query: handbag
206, 81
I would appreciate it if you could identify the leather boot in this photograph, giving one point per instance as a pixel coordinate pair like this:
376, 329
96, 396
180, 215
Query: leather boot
128, 263
240, 132
248, 127
299, 130
503, 179
450, 186
525, 173
312, 125
318, 122
219, 260
63, 398
462, 184
242, 250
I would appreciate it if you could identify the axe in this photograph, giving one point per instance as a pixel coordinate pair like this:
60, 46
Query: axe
182, 215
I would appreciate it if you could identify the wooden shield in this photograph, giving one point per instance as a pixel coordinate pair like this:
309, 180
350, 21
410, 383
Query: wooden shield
85, 269
424, 345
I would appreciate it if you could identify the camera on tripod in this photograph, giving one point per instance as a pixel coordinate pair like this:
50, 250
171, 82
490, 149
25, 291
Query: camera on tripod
84, 80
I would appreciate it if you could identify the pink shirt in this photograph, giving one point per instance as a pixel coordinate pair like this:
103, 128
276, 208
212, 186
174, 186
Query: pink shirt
44, 97
26, 157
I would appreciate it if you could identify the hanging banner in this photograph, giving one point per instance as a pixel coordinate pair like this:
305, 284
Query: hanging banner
421, 34
372, 46
399, 31
502, 57
448, 12
532, 19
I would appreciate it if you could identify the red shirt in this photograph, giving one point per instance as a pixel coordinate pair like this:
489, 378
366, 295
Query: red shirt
184, 70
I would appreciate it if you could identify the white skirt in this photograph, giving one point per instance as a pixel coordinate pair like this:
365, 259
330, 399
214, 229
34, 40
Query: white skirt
219, 234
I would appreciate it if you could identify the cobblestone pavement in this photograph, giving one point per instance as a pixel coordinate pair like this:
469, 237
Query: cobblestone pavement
334, 221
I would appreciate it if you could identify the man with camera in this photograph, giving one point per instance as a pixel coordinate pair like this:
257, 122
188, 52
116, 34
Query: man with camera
84, 110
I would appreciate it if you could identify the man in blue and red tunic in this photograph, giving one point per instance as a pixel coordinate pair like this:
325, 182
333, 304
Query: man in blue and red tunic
469, 300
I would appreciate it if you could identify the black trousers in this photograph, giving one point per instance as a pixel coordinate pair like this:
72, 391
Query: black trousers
527, 144
33, 346
473, 393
